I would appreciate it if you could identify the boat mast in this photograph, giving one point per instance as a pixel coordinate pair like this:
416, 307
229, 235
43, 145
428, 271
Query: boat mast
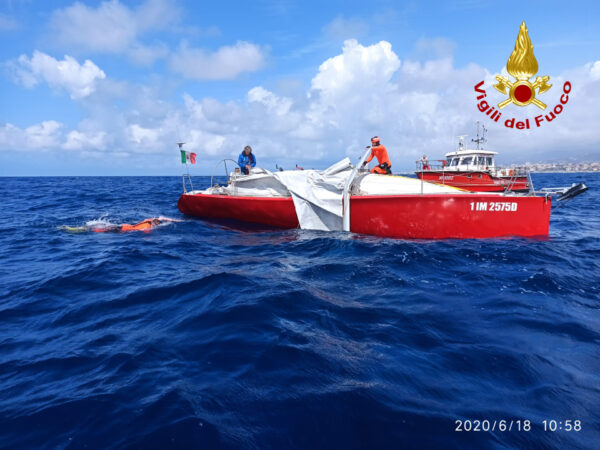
480, 140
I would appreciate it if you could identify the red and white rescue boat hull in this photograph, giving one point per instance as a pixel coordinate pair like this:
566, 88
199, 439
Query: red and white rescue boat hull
428, 216
476, 181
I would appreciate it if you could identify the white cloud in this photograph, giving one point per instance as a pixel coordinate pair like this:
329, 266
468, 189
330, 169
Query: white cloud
206, 142
79, 80
114, 28
109, 28
145, 55
43, 136
416, 108
358, 66
78, 140
50, 135
141, 135
226, 63
595, 70
275, 104
156, 15
7, 23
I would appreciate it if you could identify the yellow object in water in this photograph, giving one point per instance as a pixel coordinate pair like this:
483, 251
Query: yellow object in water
69, 229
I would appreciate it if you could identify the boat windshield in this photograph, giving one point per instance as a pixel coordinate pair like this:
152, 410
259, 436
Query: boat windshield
454, 162
467, 160
489, 161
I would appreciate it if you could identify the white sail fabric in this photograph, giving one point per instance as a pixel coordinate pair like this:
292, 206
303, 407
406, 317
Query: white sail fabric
317, 195
259, 183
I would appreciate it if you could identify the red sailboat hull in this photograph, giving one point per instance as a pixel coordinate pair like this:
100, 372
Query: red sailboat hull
430, 216
474, 181
274, 211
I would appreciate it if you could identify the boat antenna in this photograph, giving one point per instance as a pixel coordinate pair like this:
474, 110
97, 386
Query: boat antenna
461, 141
480, 140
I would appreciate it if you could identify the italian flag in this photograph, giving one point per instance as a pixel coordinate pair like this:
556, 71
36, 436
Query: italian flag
187, 157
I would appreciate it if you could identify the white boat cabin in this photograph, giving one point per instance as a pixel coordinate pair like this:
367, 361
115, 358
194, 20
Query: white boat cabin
468, 160
472, 160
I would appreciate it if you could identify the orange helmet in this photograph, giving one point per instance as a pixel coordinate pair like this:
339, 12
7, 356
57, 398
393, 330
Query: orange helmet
375, 140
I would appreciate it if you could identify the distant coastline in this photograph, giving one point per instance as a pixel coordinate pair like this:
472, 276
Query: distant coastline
584, 167
565, 171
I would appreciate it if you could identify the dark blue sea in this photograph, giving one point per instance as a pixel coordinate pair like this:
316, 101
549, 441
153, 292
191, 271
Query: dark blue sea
220, 335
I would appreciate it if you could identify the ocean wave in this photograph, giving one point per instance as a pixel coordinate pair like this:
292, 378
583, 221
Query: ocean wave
217, 334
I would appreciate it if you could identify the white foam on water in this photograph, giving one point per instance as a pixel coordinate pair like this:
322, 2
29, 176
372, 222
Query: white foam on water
101, 222
167, 221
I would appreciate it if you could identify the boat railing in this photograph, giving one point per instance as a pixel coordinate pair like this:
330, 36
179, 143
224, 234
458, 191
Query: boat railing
224, 162
434, 165
426, 166
441, 165
189, 179
515, 173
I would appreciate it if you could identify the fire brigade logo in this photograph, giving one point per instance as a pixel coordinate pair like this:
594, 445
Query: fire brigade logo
522, 65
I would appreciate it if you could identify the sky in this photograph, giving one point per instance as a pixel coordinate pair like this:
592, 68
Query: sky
110, 87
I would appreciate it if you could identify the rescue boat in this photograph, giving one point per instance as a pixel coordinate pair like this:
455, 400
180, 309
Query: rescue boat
349, 198
474, 170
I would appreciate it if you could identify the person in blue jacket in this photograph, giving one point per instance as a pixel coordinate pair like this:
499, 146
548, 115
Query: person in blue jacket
246, 160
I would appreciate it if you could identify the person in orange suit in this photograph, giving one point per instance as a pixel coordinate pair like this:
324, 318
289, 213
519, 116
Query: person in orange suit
380, 152
144, 225
141, 226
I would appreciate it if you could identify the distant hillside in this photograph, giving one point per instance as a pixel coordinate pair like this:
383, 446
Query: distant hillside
564, 167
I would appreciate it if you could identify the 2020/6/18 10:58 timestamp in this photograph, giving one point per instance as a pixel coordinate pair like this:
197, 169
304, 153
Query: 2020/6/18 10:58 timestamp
551, 425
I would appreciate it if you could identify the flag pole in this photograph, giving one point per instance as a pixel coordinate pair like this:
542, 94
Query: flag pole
187, 168
188, 174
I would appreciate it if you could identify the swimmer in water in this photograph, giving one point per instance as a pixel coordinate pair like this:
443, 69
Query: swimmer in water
144, 225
